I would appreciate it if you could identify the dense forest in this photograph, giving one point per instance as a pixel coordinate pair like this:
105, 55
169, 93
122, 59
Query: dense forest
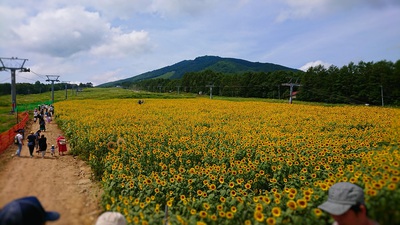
37, 87
363, 83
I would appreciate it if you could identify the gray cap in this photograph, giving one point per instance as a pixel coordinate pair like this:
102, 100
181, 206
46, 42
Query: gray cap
342, 196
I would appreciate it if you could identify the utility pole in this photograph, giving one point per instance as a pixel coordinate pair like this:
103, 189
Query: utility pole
382, 94
291, 85
211, 87
52, 78
13, 66
178, 88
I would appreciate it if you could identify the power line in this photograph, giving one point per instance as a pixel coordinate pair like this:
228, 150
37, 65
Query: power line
39, 75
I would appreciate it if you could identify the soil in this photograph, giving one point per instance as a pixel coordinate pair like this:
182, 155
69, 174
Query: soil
61, 183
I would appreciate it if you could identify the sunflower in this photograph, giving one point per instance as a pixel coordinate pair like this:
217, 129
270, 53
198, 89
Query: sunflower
271, 221
212, 187
291, 204
259, 207
391, 187
206, 205
222, 199
259, 216
203, 214
317, 212
276, 211
229, 215
302, 203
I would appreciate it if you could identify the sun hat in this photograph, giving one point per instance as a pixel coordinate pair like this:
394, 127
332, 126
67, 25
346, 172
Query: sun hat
341, 197
111, 218
26, 211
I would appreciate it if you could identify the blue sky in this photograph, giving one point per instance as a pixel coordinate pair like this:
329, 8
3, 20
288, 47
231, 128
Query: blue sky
102, 40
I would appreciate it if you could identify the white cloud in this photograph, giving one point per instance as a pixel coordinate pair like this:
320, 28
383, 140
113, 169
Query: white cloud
69, 31
314, 64
62, 33
105, 77
121, 45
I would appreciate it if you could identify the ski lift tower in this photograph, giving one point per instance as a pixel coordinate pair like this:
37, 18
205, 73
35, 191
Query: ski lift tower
291, 85
52, 78
13, 64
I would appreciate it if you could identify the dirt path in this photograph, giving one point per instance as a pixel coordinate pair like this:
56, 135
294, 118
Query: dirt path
61, 183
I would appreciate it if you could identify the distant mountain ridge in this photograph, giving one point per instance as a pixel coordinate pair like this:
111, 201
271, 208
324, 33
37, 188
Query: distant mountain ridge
214, 63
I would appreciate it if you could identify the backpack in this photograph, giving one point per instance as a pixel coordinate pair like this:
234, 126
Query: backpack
16, 139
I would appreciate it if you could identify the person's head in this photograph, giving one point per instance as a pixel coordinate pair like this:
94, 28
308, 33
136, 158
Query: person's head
111, 218
26, 211
42, 136
345, 204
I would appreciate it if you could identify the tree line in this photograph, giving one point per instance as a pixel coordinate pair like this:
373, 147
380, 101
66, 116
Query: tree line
372, 83
37, 87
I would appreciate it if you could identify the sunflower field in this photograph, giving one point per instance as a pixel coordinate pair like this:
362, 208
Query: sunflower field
202, 161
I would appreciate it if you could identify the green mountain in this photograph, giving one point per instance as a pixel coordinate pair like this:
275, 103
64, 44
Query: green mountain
214, 63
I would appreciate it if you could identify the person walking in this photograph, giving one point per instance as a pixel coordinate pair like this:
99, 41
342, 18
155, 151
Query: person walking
19, 140
61, 144
42, 123
31, 142
346, 205
42, 145
35, 115
37, 134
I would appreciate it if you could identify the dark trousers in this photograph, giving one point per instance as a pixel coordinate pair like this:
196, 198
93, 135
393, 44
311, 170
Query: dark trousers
31, 147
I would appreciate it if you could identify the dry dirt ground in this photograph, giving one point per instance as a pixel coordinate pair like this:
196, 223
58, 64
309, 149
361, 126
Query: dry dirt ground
61, 183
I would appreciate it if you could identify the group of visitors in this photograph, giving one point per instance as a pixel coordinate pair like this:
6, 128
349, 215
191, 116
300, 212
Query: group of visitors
43, 114
37, 140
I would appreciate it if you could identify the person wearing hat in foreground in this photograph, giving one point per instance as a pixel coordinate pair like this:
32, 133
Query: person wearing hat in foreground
111, 218
346, 205
26, 211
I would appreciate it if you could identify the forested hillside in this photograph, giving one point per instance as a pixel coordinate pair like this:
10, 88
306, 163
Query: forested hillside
214, 63
362, 83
